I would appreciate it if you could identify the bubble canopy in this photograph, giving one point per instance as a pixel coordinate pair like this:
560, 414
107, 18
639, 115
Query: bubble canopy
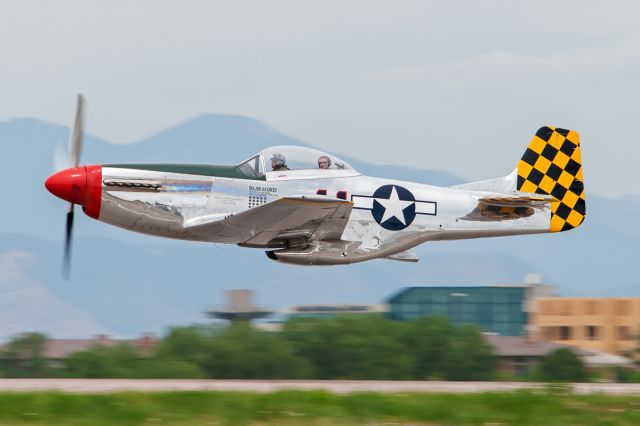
292, 158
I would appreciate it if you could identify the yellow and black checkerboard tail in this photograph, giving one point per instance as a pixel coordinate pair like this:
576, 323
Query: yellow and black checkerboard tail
552, 165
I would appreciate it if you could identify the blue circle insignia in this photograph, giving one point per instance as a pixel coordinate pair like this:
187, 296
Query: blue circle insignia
394, 207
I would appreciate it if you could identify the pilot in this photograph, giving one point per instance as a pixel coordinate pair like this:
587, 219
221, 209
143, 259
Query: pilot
278, 162
324, 162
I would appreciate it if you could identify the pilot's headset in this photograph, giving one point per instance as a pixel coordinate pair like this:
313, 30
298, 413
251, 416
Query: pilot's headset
328, 160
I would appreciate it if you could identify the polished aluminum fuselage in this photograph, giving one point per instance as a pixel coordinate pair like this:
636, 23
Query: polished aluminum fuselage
131, 200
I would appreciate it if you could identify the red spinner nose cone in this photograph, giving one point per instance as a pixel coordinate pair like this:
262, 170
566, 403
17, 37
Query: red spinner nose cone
69, 184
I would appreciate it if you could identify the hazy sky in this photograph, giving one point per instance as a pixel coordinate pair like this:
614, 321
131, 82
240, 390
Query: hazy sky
457, 85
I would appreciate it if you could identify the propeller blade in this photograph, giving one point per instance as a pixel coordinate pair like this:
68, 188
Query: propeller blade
77, 133
75, 144
66, 262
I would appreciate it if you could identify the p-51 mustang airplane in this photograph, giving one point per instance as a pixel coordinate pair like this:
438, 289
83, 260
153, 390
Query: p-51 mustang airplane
307, 207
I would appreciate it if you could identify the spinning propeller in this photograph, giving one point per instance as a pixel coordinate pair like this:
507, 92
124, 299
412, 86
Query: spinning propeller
71, 184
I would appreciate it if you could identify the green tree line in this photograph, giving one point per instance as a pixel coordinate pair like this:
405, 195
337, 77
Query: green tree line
344, 347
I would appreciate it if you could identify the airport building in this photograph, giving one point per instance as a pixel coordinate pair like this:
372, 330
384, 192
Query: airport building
604, 324
518, 355
503, 310
526, 310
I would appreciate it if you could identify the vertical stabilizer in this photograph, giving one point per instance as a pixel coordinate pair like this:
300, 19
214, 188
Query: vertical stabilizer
552, 164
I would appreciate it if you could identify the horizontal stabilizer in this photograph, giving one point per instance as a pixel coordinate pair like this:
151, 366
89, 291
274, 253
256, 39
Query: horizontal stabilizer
507, 208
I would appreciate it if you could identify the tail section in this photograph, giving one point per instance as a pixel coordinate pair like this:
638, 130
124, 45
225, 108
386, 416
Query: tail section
552, 165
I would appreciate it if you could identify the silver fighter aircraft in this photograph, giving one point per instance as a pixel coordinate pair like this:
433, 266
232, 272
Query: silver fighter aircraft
307, 207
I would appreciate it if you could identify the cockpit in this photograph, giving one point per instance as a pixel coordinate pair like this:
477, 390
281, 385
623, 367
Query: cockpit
295, 162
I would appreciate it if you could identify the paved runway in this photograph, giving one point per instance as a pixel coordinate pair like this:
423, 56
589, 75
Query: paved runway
264, 386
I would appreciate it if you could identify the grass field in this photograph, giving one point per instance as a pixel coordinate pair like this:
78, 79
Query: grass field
318, 408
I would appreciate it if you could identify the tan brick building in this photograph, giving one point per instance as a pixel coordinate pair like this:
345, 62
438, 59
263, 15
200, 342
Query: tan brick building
604, 324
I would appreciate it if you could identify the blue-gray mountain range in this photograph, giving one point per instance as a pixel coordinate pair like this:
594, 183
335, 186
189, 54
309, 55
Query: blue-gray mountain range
127, 283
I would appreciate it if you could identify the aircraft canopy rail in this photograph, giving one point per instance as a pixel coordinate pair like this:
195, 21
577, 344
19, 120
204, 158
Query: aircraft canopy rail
291, 158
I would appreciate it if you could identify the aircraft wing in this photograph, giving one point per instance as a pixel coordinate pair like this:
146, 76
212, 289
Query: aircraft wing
286, 222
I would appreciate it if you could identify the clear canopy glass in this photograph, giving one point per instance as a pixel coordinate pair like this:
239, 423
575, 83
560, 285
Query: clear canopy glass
279, 158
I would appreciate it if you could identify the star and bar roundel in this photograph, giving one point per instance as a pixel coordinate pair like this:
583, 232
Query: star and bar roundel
393, 207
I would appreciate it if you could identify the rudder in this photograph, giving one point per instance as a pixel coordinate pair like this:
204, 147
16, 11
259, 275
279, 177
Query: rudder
552, 165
